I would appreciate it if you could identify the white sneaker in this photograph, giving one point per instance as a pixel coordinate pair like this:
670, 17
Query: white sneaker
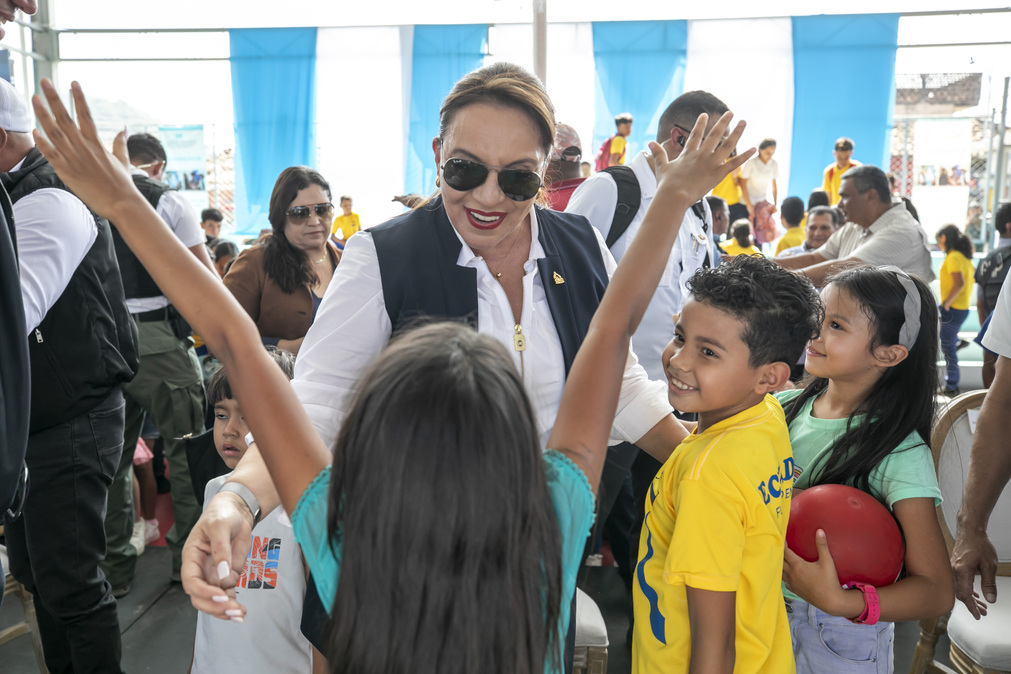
151, 531
137, 539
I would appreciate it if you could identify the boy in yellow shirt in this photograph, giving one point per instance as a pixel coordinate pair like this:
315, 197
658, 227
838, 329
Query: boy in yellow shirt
791, 212
711, 553
345, 224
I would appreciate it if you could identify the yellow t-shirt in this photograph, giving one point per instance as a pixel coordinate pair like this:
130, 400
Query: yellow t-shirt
728, 190
618, 145
347, 224
716, 517
832, 178
794, 237
954, 262
733, 249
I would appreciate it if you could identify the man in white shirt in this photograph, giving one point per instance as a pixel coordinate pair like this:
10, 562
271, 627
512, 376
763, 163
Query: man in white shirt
880, 231
169, 383
597, 199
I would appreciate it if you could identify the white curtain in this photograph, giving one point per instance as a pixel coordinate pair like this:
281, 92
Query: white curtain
361, 132
570, 70
748, 64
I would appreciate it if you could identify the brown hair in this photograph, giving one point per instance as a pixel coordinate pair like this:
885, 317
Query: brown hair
504, 84
289, 267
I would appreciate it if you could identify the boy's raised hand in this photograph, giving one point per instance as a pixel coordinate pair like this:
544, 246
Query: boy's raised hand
704, 162
97, 177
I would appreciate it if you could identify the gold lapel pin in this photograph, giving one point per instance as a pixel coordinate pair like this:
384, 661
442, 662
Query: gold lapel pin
558, 278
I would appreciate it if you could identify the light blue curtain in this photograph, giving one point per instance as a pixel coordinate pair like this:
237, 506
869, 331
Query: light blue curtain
274, 96
640, 69
844, 85
441, 56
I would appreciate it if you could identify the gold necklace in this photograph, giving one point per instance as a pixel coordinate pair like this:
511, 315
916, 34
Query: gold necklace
496, 274
321, 259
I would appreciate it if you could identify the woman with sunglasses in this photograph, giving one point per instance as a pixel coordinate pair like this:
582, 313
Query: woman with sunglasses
478, 250
281, 282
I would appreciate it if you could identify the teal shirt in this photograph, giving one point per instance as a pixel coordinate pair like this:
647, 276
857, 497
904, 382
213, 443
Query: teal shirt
571, 497
908, 472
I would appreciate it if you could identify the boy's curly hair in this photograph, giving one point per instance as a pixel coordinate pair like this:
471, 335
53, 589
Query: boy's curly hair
781, 310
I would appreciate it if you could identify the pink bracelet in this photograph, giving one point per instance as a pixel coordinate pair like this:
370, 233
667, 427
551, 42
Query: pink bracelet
872, 607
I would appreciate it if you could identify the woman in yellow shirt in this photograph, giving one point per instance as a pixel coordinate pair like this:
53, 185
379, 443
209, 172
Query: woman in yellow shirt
956, 291
741, 243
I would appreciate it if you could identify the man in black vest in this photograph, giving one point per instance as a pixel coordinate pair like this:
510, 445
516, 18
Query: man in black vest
14, 382
169, 384
82, 347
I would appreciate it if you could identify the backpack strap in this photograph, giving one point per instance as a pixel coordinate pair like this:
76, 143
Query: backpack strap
629, 201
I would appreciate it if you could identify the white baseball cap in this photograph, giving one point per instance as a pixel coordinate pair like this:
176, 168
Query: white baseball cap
14, 114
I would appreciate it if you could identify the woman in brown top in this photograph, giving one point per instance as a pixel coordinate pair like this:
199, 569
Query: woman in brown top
281, 282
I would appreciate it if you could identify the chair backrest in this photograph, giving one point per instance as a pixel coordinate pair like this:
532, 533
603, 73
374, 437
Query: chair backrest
951, 445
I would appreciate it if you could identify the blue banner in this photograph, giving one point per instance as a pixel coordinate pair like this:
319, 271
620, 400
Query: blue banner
844, 85
441, 56
640, 68
274, 96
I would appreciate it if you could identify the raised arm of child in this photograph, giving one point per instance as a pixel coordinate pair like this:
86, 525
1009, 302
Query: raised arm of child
291, 448
590, 397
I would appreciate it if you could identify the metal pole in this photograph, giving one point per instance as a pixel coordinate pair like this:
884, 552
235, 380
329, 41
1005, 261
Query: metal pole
987, 208
45, 43
998, 183
905, 159
541, 40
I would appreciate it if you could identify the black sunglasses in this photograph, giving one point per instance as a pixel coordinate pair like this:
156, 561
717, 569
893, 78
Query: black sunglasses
517, 184
300, 214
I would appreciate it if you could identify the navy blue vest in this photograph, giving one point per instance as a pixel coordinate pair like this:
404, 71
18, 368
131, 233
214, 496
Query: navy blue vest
418, 252
87, 344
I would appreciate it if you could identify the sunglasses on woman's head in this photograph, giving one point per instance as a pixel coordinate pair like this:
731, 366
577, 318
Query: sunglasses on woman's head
299, 214
517, 184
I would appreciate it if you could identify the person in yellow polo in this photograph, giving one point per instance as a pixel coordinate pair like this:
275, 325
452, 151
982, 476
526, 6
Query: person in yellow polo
844, 161
345, 224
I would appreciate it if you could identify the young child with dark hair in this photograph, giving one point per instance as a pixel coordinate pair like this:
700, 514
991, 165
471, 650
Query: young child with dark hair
716, 513
272, 582
741, 241
792, 214
862, 420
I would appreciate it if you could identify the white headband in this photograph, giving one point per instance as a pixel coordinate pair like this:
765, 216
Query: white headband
910, 306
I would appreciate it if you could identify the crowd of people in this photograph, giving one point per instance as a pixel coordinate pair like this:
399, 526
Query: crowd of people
467, 406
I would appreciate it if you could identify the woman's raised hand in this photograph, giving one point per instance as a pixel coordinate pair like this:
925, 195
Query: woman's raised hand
97, 177
705, 160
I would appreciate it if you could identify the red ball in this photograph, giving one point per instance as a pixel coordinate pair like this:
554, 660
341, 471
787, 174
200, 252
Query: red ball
863, 536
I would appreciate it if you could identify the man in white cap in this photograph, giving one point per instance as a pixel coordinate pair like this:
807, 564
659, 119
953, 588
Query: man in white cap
82, 348
563, 167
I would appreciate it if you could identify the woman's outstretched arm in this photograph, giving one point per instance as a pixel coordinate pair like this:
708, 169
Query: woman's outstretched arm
591, 390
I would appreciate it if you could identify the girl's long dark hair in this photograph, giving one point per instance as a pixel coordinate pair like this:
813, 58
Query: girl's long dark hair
902, 401
284, 263
451, 549
954, 239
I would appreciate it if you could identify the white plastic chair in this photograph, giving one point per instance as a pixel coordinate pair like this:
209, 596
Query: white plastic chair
590, 655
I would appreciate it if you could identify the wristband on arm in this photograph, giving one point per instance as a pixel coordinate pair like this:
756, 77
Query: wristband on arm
872, 608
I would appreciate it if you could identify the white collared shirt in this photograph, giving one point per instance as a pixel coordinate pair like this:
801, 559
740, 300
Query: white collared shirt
596, 199
184, 222
352, 326
54, 231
